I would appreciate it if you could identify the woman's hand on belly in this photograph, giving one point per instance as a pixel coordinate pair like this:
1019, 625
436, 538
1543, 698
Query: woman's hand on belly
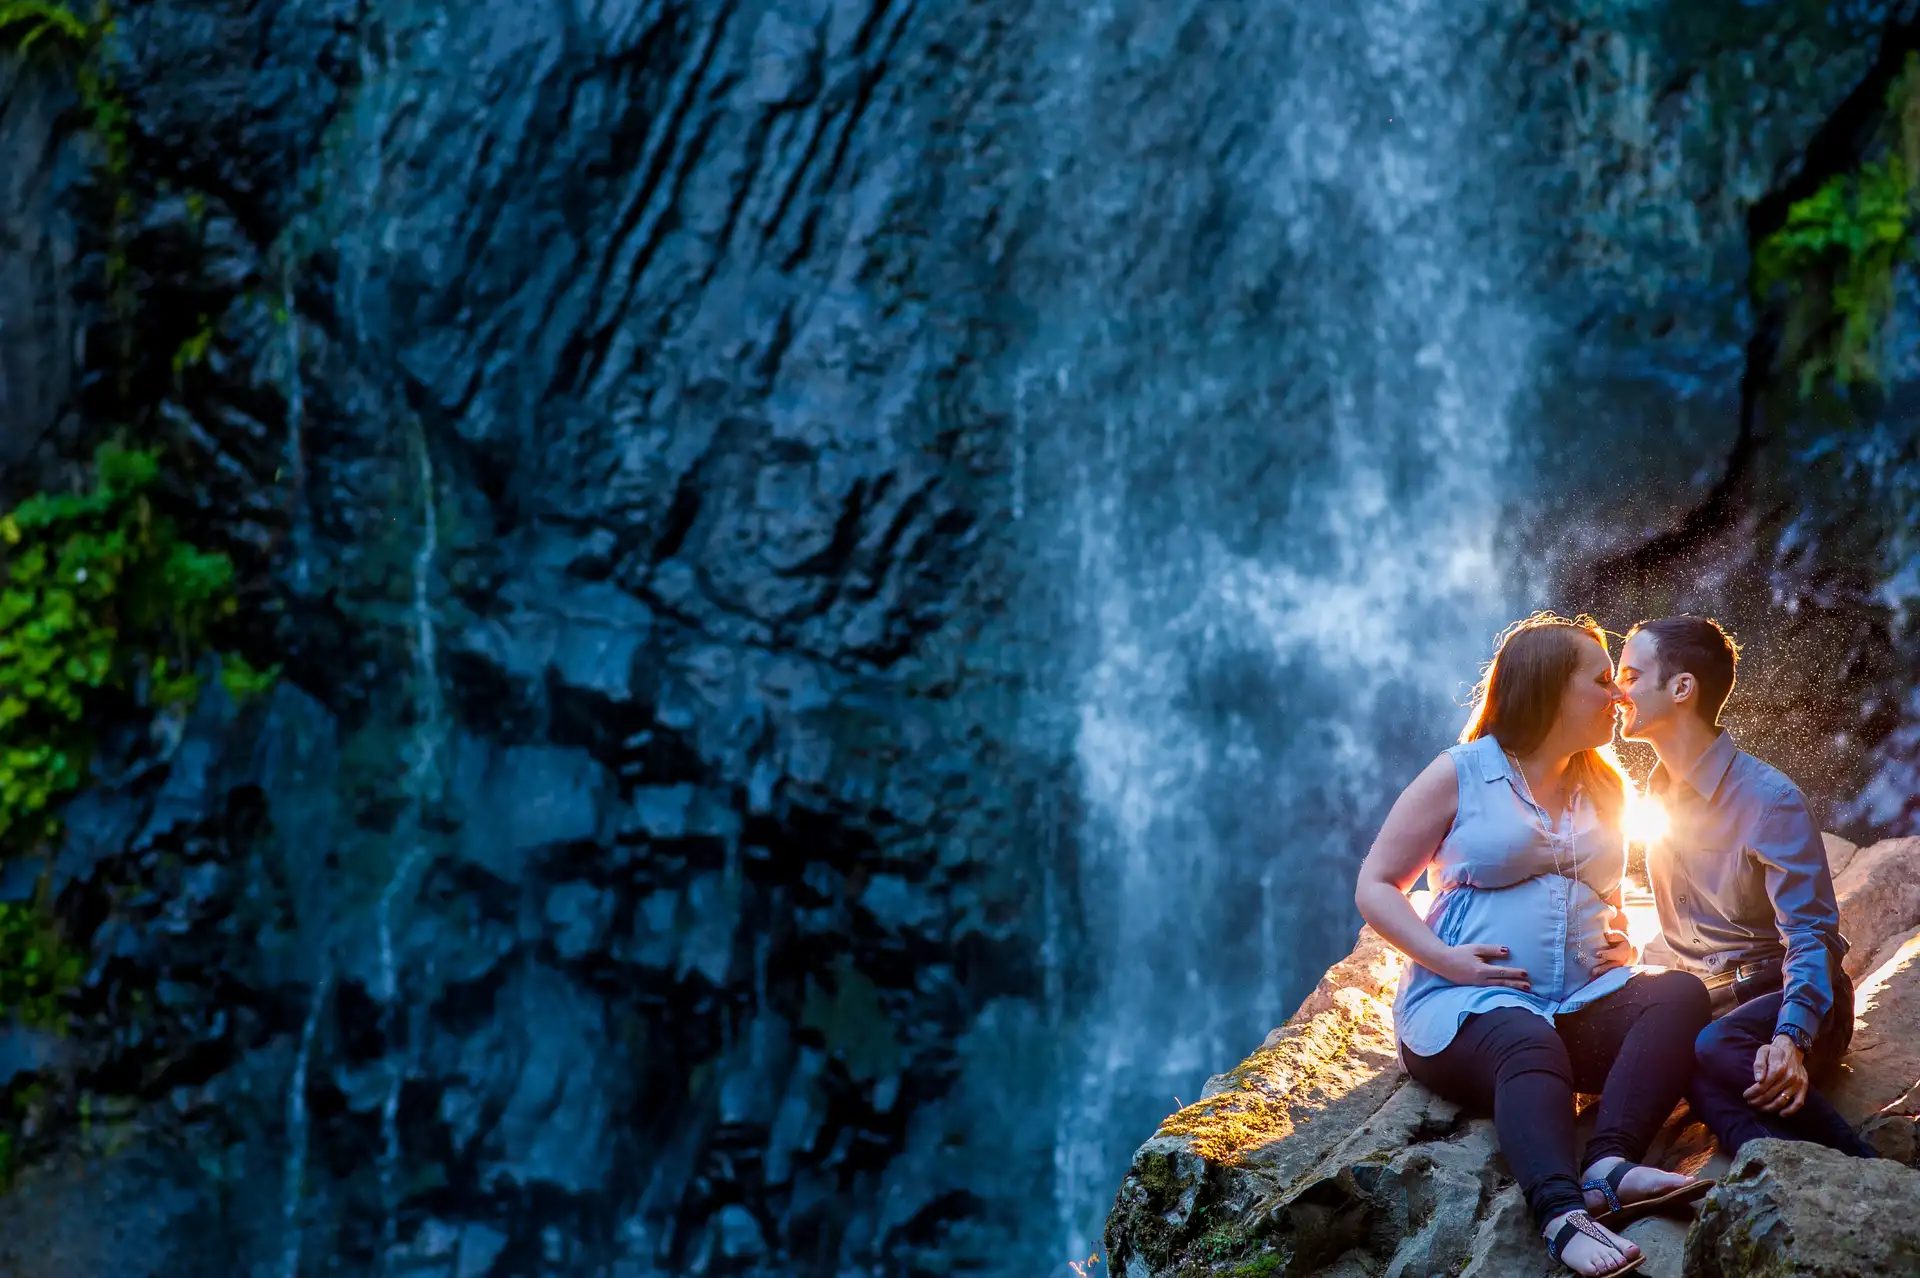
1477, 964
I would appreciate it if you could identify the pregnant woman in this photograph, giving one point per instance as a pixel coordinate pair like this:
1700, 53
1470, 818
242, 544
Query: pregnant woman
1517, 993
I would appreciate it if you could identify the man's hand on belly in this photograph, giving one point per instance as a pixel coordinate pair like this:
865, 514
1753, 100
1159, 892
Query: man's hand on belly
1779, 1078
1618, 953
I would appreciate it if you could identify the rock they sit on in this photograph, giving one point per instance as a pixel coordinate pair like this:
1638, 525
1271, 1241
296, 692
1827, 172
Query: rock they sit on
1317, 1155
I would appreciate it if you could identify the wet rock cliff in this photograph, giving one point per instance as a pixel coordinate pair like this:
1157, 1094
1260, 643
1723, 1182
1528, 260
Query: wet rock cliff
612, 880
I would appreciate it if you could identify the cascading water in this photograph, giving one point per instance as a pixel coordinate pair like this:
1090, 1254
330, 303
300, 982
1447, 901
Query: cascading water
356, 201
1265, 438
300, 520
422, 792
292, 1230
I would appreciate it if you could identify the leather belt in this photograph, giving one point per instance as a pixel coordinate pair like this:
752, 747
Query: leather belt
1749, 980
1736, 986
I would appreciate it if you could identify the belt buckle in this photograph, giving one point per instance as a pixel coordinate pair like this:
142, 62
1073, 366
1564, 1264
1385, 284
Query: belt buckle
1751, 980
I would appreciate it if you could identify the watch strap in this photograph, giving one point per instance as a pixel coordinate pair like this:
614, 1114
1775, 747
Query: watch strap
1801, 1039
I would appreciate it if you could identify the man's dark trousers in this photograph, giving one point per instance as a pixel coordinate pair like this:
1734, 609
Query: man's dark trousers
1723, 1070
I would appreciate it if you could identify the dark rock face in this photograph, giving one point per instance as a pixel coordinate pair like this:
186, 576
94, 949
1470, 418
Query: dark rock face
613, 882
38, 319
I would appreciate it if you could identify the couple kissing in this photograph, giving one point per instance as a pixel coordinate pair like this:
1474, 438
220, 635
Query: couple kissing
1522, 985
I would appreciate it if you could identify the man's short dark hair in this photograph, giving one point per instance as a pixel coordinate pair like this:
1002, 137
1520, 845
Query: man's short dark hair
1700, 647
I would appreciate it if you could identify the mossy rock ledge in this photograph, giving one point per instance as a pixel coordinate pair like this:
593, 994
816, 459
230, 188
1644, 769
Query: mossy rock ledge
1317, 1155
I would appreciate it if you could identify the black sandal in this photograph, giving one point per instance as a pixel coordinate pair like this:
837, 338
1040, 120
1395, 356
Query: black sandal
1618, 1213
1578, 1222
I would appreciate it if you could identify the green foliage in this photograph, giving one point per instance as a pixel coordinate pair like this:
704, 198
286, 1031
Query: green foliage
193, 351
1218, 1244
40, 19
1840, 250
242, 682
1846, 239
100, 598
35, 964
81, 38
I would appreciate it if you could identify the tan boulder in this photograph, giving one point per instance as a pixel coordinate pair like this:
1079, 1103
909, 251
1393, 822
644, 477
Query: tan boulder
1840, 853
1788, 1209
1879, 894
1878, 1086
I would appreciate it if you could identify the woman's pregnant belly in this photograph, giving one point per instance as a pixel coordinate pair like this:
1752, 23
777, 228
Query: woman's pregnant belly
1553, 927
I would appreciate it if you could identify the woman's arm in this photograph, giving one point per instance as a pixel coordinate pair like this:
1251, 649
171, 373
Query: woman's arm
1401, 852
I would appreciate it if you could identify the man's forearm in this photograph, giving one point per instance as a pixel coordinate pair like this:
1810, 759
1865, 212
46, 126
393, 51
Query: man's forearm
1807, 994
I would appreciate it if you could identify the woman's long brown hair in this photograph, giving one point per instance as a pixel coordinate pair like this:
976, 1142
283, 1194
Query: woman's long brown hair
1518, 698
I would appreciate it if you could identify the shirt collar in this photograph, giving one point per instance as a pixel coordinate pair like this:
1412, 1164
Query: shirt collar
1499, 767
1708, 771
1494, 758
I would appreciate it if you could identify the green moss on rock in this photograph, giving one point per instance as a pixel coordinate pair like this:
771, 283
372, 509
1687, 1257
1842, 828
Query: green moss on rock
1838, 254
1261, 1266
1251, 1112
36, 965
1157, 1176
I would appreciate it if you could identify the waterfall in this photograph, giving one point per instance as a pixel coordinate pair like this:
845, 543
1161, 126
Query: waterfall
292, 1190
1275, 356
300, 519
1053, 994
370, 197
293, 1233
421, 789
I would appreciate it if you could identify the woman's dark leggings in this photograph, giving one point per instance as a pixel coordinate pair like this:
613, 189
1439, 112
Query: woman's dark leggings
1634, 1047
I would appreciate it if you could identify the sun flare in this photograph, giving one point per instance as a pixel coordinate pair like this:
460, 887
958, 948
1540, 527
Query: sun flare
1644, 820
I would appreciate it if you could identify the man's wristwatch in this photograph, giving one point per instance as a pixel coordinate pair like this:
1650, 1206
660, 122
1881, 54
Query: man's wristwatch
1801, 1039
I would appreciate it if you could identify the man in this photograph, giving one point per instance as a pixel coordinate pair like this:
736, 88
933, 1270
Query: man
1744, 895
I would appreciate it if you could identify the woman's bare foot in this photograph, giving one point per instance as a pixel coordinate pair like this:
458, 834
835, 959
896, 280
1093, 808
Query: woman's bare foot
1587, 1254
1636, 1186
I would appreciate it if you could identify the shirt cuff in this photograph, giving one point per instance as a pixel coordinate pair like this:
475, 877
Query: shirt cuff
1800, 1017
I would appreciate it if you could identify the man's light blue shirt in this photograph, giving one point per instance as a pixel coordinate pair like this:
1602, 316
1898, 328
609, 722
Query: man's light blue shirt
1742, 876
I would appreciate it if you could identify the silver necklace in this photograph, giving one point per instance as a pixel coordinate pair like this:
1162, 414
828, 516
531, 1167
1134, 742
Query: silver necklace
1551, 830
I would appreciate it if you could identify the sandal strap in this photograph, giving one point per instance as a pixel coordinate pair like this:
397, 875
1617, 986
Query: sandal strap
1609, 1186
1605, 1190
1577, 1222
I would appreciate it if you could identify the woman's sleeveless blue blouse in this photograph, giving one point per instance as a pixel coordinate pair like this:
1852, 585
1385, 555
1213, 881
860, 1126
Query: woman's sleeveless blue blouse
1507, 874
